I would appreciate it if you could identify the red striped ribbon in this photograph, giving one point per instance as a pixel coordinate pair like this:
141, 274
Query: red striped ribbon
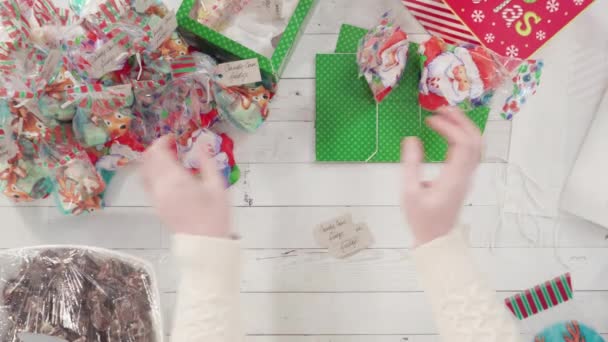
547, 295
439, 20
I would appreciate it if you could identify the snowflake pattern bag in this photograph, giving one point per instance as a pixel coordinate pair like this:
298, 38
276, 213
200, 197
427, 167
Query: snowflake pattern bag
516, 28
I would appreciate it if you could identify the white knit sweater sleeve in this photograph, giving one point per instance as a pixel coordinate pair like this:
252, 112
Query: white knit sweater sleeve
208, 297
465, 307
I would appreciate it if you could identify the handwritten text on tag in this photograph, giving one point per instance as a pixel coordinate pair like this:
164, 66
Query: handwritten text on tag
331, 229
342, 237
355, 239
238, 73
107, 59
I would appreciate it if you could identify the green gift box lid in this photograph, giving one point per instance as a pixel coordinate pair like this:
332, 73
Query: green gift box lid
205, 38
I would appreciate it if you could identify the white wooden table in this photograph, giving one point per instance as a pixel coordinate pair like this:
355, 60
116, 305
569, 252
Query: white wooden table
292, 290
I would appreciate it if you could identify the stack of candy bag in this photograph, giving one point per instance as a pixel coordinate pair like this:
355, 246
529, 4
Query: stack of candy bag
84, 91
466, 76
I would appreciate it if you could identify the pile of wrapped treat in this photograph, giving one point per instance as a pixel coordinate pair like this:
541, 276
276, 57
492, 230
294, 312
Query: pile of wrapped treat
77, 294
85, 89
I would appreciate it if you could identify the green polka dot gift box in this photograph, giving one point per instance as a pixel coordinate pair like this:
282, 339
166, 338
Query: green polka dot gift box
214, 43
351, 127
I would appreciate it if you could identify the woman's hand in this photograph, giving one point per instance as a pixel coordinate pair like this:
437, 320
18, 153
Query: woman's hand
433, 208
185, 203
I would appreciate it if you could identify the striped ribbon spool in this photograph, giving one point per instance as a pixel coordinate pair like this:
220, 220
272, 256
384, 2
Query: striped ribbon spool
541, 297
438, 19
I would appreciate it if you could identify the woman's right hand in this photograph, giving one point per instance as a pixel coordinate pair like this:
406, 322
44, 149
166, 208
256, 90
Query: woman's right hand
432, 208
185, 203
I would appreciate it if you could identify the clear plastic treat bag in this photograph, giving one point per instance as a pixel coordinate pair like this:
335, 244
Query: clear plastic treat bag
78, 294
470, 76
103, 113
78, 186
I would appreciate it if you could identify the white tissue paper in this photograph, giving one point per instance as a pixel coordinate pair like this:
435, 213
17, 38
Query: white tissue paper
548, 133
586, 191
260, 24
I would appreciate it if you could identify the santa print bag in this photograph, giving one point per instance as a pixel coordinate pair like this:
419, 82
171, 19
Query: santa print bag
469, 76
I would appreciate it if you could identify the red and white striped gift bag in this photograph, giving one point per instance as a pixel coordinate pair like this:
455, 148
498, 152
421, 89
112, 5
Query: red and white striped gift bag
439, 20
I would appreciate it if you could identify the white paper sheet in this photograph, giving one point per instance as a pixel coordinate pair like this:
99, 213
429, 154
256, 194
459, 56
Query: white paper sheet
586, 191
548, 132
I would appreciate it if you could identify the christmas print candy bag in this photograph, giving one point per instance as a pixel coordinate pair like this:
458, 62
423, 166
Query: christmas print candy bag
22, 135
186, 103
55, 95
246, 106
103, 113
220, 147
470, 76
382, 57
78, 293
78, 186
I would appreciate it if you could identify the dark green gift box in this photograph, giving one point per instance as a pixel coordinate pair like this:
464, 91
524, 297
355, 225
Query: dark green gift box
226, 49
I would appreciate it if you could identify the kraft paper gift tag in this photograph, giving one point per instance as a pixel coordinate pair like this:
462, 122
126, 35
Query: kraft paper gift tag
343, 237
324, 231
355, 238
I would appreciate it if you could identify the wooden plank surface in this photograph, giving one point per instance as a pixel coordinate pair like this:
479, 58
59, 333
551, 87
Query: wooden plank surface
376, 313
389, 270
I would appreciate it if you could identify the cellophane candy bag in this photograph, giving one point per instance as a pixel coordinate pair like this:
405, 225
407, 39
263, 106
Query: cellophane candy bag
83, 92
217, 13
55, 96
382, 57
158, 64
188, 96
470, 75
220, 147
186, 110
78, 294
146, 96
111, 34
23, 134
246, 106
466, 75
103, 113
525, 83
78, 186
